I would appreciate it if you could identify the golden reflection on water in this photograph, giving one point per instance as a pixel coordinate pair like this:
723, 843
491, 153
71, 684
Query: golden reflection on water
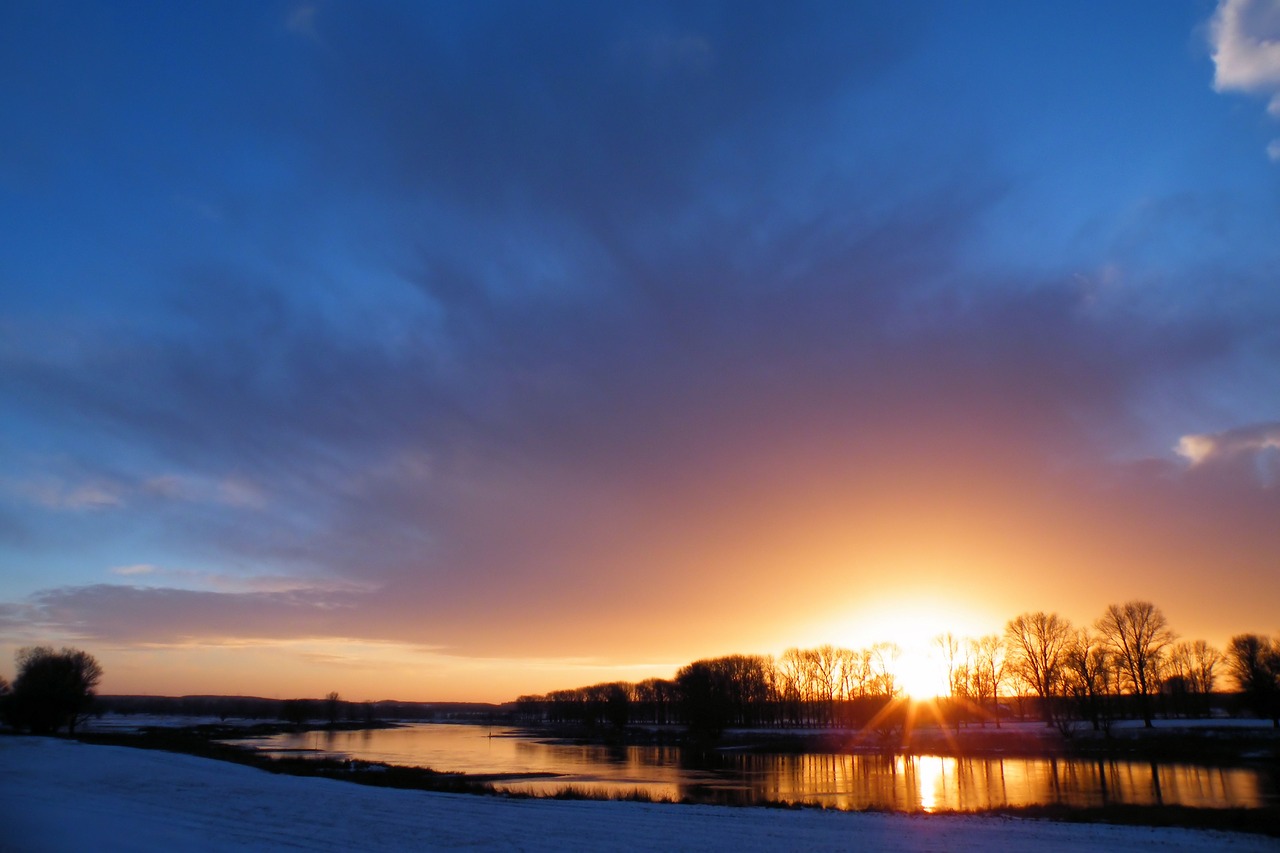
933, 782
911, 783
931, 779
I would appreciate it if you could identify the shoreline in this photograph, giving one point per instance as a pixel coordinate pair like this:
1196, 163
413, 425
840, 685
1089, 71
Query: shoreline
1206, 743
198, 742
59, 794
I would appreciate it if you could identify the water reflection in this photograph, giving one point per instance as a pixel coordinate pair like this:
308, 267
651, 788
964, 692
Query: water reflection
913, 783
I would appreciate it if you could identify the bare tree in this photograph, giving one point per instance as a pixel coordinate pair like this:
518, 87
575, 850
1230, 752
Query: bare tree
881, 657
793, 680
824, 663
958, 661
949, 645
1205, 660
1037, 644
861, 673
1191, 675
848, 673
333, 704
988, 672
1254, 663
1137, 634
1089, 677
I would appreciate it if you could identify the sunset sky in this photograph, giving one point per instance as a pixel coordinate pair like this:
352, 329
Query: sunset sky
455, 351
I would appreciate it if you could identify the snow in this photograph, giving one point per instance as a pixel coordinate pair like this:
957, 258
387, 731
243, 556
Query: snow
58, 795
136, 722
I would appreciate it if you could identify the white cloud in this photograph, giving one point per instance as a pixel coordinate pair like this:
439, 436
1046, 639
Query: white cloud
1245, 36
1246, 46
1231, 443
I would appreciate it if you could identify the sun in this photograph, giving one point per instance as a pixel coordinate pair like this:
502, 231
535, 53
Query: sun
911, 623
919, 674
906, 629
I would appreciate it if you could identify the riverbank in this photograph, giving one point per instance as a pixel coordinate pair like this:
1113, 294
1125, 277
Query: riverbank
1217, 742
917, 785
58, 795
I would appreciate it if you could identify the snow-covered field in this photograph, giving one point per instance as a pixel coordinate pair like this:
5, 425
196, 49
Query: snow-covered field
58, 795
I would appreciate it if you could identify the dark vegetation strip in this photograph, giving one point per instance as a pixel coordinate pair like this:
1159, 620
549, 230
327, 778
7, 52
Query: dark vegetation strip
1216, 746
1261, 821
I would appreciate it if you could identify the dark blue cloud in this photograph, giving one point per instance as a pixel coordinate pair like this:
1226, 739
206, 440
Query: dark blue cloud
480, 304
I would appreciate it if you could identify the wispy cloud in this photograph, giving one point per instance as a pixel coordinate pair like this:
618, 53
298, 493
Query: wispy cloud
56, 494
154, 577
126, 614
1229, 444
1245, 36
238, 492
134, 570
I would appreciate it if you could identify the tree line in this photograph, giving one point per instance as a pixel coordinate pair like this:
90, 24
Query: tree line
1127, 664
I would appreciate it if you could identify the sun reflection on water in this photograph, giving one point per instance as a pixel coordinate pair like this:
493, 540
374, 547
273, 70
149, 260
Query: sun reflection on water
931, 780
927, 783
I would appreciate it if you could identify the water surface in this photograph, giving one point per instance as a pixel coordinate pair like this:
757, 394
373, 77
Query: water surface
912, 783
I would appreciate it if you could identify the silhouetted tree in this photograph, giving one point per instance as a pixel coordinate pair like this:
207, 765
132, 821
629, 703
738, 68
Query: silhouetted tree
1137, 634
824, 666
1254, 663
1037, 643
988, 673
653, 698
1089, 677
883, 681
1191, 676
333, 704
955, 659
52, 689
295, 711
703, 698
850, 682
792, 675
617, 704
949, 645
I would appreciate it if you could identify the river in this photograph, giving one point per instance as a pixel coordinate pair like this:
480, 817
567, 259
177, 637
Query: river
910, 783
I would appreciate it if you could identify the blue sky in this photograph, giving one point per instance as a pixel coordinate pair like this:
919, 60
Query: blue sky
492, 334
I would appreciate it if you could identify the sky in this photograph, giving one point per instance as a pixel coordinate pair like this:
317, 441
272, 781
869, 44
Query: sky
458, 351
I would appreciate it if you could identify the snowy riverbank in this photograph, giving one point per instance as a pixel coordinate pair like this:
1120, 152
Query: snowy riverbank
59, 795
